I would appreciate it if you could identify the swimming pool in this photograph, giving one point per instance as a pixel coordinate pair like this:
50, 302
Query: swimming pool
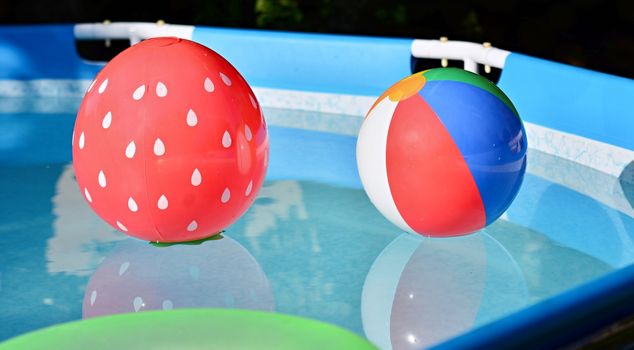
312, 244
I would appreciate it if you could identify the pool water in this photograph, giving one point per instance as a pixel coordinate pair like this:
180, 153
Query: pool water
311, 245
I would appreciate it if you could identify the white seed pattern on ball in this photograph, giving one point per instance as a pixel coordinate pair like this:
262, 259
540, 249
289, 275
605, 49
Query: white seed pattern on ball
102, 179
253, 103
226, 195
192, 226
132, 205
137, 303
124, 267
103, 86
159, 147
247, 132
162, 203
130, 150
93, 297
226, 139
196, 177
107, 120
91, 85
82, 140
122, 227
209, 85
87, 195
138, 93
167, 304
192, 119
161, 89
225, 79
249, 188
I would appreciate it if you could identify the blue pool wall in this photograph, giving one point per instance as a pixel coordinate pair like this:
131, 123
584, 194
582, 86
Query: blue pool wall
565, 98
570, 99
578, 101
42, 52
339, 64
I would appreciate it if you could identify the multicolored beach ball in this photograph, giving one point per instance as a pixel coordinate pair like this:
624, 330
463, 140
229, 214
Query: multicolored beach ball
442, 153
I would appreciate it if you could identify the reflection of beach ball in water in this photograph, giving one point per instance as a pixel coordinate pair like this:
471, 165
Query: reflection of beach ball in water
137, 276
442, 153
420, 291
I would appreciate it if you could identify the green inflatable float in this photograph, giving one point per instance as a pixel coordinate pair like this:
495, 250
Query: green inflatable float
191, 329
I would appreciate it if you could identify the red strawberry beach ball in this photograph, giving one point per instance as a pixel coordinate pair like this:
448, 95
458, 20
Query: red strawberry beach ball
170, 144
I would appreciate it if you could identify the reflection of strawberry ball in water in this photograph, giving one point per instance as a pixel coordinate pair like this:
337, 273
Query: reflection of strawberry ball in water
442, 153
137, 276
170, 143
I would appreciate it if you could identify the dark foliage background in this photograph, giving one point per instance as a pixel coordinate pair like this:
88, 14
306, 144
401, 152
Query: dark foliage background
590, 33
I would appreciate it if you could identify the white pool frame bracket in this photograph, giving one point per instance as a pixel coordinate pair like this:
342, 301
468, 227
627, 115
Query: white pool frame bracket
133, 31
470, 53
